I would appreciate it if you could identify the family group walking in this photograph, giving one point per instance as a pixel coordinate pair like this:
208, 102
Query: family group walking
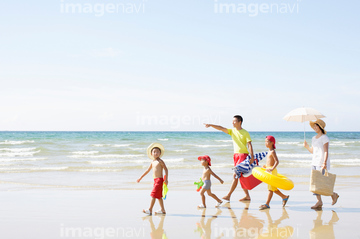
242, 149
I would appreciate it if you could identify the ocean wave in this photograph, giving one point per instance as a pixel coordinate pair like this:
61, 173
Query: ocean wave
85, 152
108, 156
103, 162
345, 162
224, 140
17, 149
111, 145
181, 150
163, 139
356, 160
295, 155
19, 154
100, 145
9, 142
21, 159
337, 143
138, 149
37, 169
120, 145
211, 146
97, 170
173, 160
222, 165
296, 143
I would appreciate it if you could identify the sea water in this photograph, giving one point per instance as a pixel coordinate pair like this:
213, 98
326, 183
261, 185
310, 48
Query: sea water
114, 160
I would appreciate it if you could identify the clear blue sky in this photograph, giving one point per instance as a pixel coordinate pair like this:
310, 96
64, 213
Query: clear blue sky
176, 64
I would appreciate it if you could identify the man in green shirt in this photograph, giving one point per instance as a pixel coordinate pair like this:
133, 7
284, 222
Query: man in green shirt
242, 147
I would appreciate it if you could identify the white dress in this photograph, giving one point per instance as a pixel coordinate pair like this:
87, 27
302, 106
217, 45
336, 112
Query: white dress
318, 151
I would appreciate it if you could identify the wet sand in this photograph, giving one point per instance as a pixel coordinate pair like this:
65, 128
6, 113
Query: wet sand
41, 213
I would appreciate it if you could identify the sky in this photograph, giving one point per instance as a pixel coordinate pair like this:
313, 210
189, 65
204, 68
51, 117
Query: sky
156, 65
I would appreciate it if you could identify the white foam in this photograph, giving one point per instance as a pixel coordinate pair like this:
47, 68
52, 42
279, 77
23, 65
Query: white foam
20, 159
103, 162
111, 145
85, 152
17, 149
163, 139
108, 156
140, 161
222, 165
212, 146
289, 143
337, 143
101, 145
181, 150
19, 154
344, 160
138, 149
174, 160
34, 169
8, 142
99, 170
224, 140
295, 155
120, 145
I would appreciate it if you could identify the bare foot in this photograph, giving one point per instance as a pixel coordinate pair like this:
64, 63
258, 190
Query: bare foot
147, 211
227, 198
335, 197
245, 199
318, 205
160, 212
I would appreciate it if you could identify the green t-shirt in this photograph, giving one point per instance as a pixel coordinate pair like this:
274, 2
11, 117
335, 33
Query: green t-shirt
240, 139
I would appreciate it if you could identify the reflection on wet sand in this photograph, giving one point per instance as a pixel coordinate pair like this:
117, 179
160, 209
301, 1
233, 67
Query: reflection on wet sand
273, 230
156, 233
323, 231
205, 228
248, 225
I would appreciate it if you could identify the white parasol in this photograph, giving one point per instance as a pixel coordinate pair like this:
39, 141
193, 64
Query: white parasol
303, 114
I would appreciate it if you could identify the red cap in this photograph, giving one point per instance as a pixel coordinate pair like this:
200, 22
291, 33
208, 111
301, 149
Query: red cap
206, 158
272, 139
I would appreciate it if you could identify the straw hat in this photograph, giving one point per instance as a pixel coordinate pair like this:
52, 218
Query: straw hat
155, 145
319, 122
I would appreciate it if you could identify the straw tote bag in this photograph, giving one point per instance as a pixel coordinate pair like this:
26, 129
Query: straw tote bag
322, 184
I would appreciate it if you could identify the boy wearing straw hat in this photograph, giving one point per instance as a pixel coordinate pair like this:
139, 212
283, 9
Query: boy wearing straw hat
155, 151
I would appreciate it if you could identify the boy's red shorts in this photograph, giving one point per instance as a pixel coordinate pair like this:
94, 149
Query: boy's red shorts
238, 158
246, 182
158, 188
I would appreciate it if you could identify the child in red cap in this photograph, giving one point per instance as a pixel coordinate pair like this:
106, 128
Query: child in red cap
272, 162
206, 162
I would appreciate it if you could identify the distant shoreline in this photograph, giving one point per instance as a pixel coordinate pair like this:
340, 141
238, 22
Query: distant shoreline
110, 131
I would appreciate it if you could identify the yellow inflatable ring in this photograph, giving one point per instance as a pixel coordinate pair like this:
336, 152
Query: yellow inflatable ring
279, 181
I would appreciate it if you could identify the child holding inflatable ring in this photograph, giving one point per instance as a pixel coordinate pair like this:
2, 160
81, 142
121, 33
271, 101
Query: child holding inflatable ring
272, 162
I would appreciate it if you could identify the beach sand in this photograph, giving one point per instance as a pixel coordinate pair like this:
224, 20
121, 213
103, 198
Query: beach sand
61, 213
